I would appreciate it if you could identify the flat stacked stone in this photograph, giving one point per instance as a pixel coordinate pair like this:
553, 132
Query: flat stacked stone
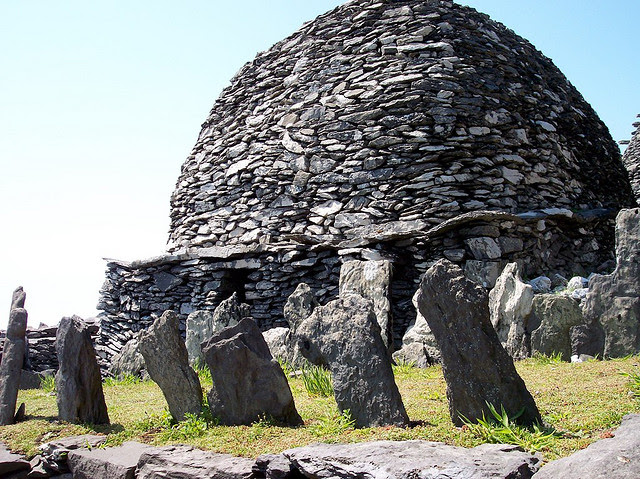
631, 160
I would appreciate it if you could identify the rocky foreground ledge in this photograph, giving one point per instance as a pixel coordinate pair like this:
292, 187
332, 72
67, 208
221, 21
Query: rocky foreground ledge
82, 457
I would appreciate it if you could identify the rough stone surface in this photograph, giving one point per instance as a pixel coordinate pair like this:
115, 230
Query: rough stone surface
10, 462
185, 462
614, 300
510, 303
345, 336
54, 453
587, 339
167, 363
112, 463
12, 359
613, 458
247, 382
419, 345
404, 460
202, 325
551, 322
476, 367
78, 382
372, 280
631, 161
541, 284
299, 306
400, 137
129, 361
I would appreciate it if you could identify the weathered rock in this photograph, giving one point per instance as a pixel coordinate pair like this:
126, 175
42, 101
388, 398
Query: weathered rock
29, 380
403, 460
78, 382
476, 367
299, 306
614, 300
54, 453
551, 322
510, 303
372, 280
541, 285
345, 335
202, 325
129, 361
110, 463
167, 363
613, 458
419, 345
247, 382
12, 361
18, 298
278, 341
186, 462
587, 339
11, 463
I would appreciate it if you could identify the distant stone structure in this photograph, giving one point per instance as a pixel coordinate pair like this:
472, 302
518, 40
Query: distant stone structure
404, 131
631, 160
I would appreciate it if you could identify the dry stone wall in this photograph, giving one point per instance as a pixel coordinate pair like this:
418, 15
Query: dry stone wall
631, 160
391, 110
265, 275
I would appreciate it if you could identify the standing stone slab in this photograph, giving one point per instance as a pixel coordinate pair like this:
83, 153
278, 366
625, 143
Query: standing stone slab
372, 280
345, 336
11, 365
476, 367
614, 300
78, 382
247, 382
186, 462
167, 363
299, 306
402, 460
510, 303
552, 319
201, 325
617, 457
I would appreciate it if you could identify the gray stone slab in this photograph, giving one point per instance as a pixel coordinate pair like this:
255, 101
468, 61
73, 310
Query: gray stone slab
109, 463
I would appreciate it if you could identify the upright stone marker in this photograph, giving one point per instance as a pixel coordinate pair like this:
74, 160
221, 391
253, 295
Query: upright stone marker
167, 363
78, 382
247, 382
372, 280
345, 336
476, 367
12, 358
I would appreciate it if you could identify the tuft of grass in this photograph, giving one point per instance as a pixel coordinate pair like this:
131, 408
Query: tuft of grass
48, 384
317, 380
403, 366
123, 380
502, 429
634, 383
203, 371
544, 359
286, 366
332, 424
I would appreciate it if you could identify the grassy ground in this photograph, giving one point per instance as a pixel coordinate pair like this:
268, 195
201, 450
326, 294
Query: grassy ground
581, 402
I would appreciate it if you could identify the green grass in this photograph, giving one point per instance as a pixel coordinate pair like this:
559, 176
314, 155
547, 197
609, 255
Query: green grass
580, 402
317, 380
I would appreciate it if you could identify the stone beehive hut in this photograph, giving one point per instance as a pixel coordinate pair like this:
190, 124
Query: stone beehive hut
631, 160
404, 130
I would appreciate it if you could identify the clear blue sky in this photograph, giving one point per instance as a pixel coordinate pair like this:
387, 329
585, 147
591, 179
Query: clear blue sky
101, 102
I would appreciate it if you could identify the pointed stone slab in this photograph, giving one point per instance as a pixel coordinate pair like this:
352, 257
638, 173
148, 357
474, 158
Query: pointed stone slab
78, 382
11, 366
167, 363
477, 369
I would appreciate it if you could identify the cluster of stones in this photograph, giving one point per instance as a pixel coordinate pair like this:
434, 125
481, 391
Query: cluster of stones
264, 276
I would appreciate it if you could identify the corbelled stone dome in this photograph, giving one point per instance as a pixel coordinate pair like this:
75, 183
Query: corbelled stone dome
387, 110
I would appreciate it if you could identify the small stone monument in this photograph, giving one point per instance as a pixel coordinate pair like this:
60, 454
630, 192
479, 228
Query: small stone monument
167, 363
345, 336
477, 369
13, 358
247, 382
78, 382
